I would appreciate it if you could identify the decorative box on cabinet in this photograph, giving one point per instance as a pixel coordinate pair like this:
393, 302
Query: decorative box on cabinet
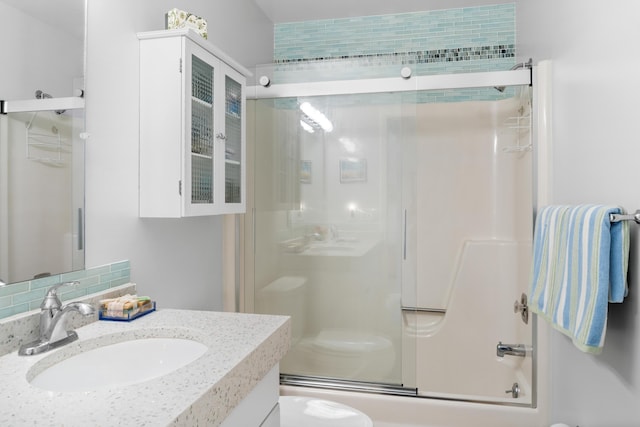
192, 127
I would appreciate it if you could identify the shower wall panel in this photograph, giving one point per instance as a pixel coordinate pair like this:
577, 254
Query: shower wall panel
469, 182
469, 248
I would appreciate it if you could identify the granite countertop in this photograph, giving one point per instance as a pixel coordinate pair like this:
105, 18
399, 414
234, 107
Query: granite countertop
242, 349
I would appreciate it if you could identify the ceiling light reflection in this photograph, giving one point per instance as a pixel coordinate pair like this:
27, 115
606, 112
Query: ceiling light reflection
306, 126
348, 145
317, 116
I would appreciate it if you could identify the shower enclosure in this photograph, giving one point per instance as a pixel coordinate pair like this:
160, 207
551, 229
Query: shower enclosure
392, 219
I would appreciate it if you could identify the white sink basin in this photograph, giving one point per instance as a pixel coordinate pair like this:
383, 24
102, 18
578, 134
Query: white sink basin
118, 365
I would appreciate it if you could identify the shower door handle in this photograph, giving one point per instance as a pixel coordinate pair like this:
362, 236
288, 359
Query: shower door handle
404, 236
253, 230
80, 230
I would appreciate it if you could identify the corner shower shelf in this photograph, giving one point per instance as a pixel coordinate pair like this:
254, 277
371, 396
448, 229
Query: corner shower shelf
38, 143
520, 126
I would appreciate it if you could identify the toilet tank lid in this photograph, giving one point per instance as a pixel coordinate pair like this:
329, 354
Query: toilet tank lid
285, 283
311, 412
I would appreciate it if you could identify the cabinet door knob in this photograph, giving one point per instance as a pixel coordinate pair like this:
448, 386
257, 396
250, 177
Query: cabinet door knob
221, 136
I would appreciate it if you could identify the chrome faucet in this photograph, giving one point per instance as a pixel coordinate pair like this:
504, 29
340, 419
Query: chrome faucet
519, 350
53, 322
50, 306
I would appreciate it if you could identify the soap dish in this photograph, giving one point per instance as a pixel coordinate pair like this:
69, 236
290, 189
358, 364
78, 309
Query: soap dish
128, 315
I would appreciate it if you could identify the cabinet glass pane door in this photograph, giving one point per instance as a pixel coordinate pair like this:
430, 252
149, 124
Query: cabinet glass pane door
233, 142
201, 131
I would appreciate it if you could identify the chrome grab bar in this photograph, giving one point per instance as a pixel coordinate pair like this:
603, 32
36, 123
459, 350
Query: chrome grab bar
423, 309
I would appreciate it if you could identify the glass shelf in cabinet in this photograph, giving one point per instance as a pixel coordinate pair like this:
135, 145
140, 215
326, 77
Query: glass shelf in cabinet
201, 102
202, 156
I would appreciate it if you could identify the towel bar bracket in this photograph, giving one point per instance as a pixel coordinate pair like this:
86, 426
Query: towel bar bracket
622, 217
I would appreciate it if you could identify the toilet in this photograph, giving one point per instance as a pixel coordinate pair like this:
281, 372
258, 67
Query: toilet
296, 411
347, 353
287, 295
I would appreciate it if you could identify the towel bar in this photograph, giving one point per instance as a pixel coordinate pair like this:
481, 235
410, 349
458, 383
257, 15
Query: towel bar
620, 217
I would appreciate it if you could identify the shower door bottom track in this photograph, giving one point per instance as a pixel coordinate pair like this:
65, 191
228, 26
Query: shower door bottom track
381, 388
347, 385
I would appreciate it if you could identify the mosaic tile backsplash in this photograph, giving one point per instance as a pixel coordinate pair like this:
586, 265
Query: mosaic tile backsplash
473, 39
431, 42
25, 296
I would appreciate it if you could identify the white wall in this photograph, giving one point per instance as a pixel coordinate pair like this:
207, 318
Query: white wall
177, 262
594, 47
36, 55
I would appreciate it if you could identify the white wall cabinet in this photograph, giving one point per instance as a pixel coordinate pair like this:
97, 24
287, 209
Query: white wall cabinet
192, 127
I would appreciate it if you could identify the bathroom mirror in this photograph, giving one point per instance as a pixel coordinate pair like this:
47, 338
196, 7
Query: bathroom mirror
41, 153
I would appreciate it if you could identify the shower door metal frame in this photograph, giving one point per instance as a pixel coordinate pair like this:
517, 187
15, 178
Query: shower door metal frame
488, 79
392, 84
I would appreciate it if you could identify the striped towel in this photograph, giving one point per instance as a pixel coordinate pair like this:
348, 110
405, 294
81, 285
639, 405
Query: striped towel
580, 264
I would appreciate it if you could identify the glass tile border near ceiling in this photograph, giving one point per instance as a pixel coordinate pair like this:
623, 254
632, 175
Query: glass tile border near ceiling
470, 39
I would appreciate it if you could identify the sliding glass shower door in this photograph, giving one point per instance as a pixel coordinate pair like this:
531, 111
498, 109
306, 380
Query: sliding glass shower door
328, 231
395, 229
468, 184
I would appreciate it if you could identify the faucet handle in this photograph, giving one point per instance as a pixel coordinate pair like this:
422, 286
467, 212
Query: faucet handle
51, 300
514, 390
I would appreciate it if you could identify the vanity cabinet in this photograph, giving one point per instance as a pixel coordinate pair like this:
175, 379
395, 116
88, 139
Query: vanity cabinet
192, 127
